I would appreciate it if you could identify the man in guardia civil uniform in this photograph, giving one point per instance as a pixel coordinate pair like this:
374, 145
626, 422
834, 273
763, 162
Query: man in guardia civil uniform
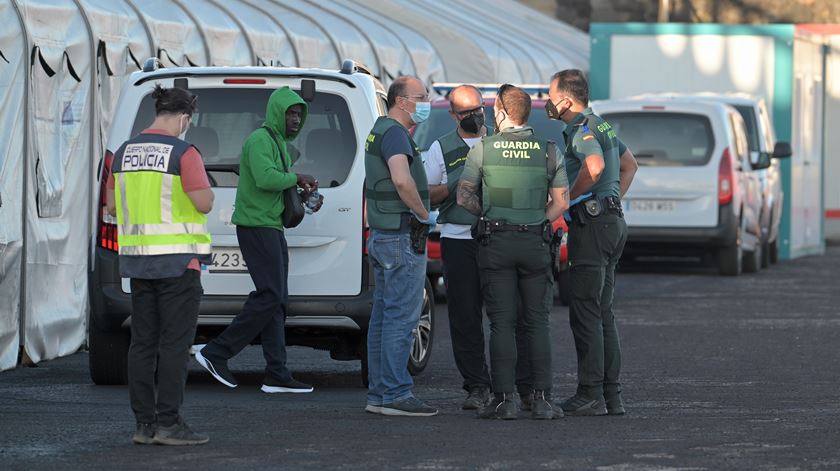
444, 162
507, 179
601, 170
397, 199
159, 192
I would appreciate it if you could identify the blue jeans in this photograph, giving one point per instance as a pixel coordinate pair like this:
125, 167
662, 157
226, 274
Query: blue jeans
399, 276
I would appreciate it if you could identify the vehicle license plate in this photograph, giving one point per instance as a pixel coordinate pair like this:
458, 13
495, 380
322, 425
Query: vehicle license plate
650, 205
227, 259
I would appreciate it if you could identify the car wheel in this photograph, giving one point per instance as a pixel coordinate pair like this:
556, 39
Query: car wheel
108, 355
774, 251
423, 334
730, 258
765, 254
364, 356
752, 260
564, 292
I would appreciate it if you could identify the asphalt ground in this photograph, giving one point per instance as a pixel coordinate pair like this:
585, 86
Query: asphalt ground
719, 373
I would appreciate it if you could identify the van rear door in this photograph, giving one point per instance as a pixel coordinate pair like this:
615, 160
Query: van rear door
676, 184
325, 249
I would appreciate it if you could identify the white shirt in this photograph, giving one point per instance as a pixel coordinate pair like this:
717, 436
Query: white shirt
436, 175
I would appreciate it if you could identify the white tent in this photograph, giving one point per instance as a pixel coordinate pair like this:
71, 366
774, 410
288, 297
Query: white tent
63, 62
12, 120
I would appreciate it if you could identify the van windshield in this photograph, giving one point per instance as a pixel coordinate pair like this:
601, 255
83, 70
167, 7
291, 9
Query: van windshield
325, 147
665, 139
748, 113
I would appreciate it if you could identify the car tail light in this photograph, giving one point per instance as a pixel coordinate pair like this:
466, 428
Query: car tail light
107, 229
726, 178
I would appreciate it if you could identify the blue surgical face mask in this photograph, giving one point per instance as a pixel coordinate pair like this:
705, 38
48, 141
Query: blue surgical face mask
422, 111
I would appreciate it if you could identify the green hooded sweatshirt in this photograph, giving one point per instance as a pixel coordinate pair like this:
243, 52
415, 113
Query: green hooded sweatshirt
262, 178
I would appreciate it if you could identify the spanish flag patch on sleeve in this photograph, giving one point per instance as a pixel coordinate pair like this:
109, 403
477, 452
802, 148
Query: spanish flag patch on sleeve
587, 137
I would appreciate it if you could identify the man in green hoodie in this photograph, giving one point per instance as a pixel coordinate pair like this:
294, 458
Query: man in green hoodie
263, 176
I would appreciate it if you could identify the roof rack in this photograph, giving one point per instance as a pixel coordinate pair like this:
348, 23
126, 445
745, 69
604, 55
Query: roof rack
490, 89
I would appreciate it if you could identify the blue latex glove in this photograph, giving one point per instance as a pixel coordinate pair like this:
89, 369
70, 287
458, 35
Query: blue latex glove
430, 221
566, 215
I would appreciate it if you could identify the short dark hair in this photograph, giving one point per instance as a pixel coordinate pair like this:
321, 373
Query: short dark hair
573, 82
174, 101
515, 102
397, 88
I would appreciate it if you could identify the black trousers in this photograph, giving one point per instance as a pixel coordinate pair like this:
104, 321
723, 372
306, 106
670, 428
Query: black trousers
264, 314
163, 321
463, 301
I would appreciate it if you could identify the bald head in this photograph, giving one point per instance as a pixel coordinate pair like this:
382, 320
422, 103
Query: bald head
465, 98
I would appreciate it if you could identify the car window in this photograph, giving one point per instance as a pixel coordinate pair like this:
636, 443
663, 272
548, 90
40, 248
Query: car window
747, 113
665, 139
325, 147
440, 123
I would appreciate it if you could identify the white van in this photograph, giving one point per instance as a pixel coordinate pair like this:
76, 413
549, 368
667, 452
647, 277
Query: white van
696, 191
329, 284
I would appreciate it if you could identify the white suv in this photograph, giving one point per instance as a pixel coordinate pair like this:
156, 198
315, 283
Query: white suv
696, 191
329, 284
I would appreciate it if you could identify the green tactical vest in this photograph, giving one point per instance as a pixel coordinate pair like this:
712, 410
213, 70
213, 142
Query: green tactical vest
384, 205
515, 178
454, 157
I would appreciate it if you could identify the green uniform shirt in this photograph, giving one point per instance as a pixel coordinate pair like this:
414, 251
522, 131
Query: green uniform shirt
474, 173
589, 134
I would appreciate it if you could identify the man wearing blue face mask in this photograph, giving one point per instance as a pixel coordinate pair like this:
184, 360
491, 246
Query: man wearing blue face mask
397, 198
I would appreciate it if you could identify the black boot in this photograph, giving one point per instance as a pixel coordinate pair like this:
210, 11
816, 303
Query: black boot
500, 407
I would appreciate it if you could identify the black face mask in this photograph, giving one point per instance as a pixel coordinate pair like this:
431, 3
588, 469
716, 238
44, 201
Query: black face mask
473, 123
552, 111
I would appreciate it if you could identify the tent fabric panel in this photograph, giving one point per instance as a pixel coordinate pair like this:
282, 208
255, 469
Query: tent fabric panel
394, 58
313, 47
226, 42
58, 157
270, 43
473, 66
175, 36
350, 42
12, 92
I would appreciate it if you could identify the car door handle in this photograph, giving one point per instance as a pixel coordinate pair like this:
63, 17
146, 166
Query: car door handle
309, 241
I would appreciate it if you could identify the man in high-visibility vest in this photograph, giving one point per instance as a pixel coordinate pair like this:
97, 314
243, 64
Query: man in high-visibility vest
160, 194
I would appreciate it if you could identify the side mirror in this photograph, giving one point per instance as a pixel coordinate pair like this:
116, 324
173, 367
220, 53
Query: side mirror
307, 90
760, 161
782, 150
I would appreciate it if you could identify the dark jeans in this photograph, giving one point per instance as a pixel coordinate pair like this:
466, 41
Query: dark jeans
164, 314
516, 268
594, 251
264, 314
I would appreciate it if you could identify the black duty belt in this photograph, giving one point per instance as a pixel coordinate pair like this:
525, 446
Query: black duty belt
502, 226
594, 207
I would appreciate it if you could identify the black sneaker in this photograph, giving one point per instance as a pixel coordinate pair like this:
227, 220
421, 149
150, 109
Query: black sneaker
542, 408
500, 407
178, 434
526, 399
217, 368
582, 405
615, 406
411, 407
143, 434
271, 386
477, 397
